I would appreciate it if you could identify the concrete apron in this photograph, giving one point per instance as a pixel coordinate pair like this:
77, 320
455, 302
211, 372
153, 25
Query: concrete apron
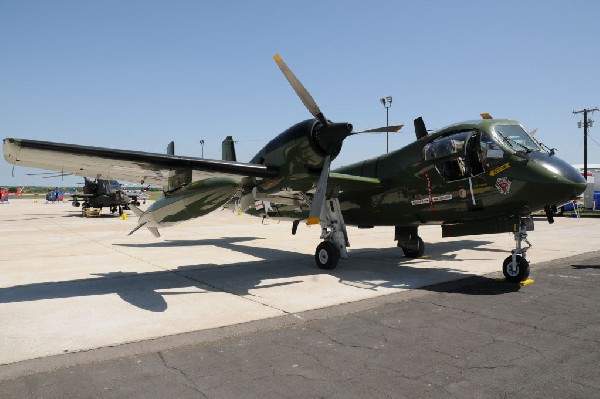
69, 283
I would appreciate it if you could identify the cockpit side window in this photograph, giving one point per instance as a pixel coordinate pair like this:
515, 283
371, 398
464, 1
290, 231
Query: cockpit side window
455, 156
114, 185
491, 151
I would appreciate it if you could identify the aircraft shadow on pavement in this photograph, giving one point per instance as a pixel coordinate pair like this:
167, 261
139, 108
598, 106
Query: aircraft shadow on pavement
375, 269
585, 266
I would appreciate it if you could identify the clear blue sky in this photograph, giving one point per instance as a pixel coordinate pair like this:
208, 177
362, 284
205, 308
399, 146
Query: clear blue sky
137, 74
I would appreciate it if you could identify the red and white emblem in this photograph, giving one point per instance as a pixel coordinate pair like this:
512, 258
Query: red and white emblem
503, 185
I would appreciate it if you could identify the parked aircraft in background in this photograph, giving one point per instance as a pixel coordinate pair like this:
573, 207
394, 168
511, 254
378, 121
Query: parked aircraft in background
101, 193
475, 177
55, 195
5, 194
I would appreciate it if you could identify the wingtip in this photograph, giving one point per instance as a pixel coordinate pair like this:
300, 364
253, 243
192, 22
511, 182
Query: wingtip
277, 58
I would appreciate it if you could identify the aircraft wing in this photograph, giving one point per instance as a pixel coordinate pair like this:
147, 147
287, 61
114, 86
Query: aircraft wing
135, 166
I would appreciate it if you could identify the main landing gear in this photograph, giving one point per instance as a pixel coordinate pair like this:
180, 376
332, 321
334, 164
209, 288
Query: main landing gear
333, 232
118, 208
408, 239
516, 267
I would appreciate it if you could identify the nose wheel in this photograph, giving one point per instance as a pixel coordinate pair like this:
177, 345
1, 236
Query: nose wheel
515, 267
327, 255
517, 270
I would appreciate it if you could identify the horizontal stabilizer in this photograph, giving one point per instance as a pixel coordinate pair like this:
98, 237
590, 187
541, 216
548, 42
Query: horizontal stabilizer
138, 212
136, 228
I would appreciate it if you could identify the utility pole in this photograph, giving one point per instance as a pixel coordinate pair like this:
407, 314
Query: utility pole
387, 103
586, 124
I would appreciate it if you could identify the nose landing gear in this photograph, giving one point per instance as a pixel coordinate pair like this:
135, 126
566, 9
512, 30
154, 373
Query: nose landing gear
333, 232
515, 267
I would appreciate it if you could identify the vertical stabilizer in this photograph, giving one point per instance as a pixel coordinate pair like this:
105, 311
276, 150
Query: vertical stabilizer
171, 148
420, 130
228, 149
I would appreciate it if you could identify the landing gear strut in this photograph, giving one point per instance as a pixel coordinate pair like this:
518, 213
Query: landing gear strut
516, 267
333, 232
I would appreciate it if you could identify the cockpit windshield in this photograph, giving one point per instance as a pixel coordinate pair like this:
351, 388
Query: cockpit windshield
516, 138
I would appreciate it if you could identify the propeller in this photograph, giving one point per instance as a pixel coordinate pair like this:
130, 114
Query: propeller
329, 137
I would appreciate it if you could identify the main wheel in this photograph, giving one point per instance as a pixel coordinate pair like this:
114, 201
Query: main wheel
415, 253
515, 273
327, 255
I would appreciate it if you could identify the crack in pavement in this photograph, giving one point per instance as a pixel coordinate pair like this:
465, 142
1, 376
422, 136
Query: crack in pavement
189, 382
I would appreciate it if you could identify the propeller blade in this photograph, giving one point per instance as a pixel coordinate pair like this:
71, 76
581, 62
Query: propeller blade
300, 90
314, 216
391, 129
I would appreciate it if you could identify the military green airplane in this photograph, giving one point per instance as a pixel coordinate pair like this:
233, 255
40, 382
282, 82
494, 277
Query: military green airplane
476, 177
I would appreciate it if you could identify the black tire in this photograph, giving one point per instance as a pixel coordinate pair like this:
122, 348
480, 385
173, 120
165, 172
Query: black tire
327, 255
559, 211
517, 274
415, 253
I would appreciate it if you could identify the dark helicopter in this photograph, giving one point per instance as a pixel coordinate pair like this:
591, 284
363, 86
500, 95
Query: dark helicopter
99, 193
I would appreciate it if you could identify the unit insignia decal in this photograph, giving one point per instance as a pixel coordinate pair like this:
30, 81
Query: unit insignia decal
503, 185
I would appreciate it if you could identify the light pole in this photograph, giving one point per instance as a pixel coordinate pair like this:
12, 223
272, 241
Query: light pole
202, 145
387, 103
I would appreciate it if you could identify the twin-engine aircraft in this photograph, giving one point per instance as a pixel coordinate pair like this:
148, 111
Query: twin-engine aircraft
476, 177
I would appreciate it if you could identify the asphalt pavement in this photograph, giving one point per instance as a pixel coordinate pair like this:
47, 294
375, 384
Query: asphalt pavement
478, 337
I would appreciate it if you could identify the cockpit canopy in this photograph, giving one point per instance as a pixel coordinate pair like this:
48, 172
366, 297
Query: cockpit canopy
466, 152
517, 138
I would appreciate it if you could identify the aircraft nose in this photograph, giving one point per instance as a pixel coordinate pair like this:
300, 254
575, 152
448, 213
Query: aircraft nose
568, 182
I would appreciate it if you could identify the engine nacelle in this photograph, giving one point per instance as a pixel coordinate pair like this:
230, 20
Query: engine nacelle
303, 146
